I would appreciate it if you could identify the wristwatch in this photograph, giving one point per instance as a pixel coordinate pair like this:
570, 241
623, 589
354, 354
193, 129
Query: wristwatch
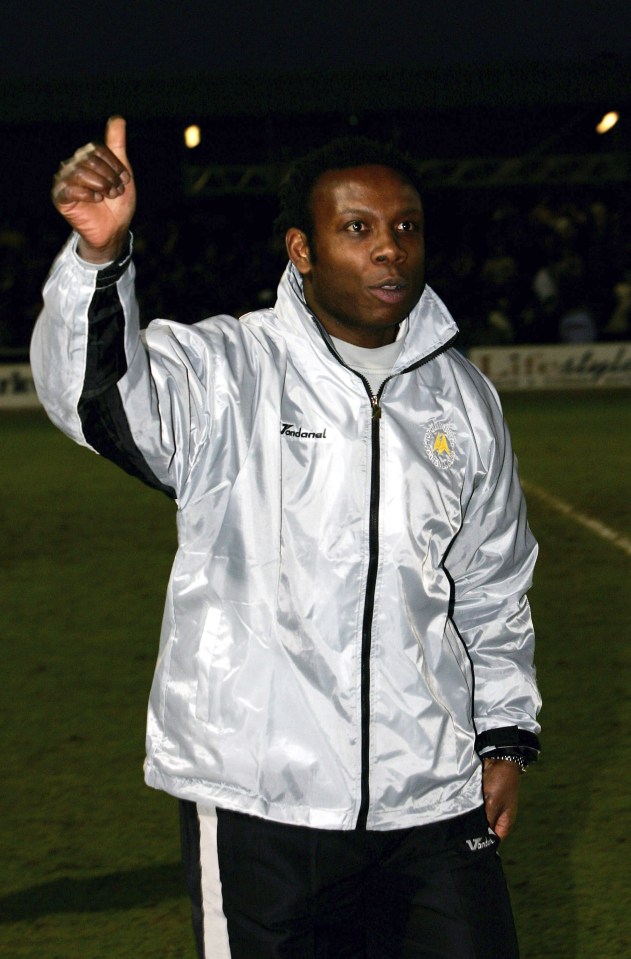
511, 744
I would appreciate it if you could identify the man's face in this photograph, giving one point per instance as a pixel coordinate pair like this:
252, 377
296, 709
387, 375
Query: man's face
365, 269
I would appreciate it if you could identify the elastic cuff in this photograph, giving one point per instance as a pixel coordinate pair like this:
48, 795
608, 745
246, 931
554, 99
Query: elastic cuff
509, 737
107, 273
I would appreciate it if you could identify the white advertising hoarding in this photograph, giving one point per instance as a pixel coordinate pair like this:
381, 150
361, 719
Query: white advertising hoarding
583, 366
577, 366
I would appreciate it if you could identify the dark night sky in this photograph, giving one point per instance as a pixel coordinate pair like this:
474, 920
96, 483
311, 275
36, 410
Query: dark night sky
65, 66
70, 38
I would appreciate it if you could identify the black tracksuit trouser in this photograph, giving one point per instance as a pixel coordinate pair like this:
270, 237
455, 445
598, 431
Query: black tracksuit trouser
428, 892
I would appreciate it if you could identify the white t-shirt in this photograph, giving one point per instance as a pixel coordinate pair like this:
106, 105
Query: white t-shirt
375, 364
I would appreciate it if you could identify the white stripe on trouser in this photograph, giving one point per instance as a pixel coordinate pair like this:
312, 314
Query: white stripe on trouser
216, 945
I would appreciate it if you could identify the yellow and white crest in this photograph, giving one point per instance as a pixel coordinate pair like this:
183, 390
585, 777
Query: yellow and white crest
440, 444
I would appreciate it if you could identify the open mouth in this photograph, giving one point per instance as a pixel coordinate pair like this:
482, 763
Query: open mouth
390, 292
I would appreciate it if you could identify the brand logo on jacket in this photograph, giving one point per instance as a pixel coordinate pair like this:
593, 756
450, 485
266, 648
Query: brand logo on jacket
289, 429
440, 444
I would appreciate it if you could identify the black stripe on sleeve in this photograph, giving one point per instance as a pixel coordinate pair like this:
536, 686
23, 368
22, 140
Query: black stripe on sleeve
103, 418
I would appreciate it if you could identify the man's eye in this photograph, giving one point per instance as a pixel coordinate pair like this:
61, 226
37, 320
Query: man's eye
407, 226
355, 226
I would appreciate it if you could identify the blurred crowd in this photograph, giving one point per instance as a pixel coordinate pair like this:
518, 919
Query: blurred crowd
549, 271
528, 270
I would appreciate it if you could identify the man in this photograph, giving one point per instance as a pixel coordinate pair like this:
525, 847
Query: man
344, 697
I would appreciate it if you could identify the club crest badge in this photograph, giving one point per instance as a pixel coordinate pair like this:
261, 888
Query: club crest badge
440, 444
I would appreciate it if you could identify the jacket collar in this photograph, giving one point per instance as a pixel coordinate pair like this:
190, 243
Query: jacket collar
431, 326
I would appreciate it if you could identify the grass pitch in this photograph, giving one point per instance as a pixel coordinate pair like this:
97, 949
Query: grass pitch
90, 855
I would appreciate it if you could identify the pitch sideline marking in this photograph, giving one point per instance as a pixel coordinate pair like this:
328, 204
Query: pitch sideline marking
594, 525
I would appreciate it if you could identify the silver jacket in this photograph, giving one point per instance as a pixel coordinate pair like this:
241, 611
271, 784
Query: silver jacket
346, 611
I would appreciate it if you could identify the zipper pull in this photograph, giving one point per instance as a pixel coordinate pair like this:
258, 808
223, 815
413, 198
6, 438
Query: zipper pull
376, 409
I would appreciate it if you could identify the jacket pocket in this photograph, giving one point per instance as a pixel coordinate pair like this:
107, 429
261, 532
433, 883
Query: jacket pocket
205, 656
459, 652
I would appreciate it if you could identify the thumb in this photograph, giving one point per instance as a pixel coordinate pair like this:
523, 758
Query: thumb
115, 138
502, 825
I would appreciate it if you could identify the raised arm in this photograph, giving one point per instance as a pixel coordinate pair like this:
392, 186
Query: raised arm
145, 399
100, 380
94, 190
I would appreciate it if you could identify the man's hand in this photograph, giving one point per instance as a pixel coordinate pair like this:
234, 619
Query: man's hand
500, 788
94, 190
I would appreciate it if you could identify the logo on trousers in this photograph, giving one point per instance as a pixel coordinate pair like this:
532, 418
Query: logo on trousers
480, 842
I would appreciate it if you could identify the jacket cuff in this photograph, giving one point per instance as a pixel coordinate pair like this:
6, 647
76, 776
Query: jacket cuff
509, 737
107, 273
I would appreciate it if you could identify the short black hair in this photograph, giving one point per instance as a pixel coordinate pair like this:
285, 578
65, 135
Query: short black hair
344, 153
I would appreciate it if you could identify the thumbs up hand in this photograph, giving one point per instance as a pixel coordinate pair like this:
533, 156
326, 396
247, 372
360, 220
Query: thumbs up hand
94, 190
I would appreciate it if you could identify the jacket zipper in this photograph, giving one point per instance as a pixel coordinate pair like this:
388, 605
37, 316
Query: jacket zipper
373, 565
369, 605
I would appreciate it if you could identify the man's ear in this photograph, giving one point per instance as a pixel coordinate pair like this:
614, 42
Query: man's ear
298, 250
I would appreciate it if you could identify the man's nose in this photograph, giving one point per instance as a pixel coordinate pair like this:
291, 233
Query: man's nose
387, 248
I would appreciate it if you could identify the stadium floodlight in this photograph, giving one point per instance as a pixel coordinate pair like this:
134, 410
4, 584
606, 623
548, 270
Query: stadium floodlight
192, 136
608, 121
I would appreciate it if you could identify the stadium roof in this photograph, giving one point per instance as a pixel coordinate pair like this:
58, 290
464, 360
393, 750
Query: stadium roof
604, 80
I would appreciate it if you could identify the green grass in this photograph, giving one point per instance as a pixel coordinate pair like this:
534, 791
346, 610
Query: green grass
568, 860
90, 855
